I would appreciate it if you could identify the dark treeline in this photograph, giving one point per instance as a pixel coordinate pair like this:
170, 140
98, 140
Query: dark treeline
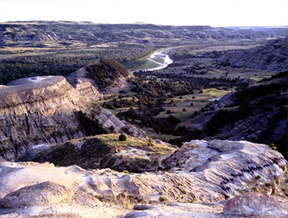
145, 118
63, 63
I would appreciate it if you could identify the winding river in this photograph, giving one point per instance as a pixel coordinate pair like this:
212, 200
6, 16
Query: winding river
163, 55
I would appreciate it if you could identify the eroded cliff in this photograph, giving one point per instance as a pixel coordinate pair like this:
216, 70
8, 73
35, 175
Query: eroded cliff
44, 110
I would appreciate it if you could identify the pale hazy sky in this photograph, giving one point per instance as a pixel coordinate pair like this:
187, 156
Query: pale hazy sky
166, 12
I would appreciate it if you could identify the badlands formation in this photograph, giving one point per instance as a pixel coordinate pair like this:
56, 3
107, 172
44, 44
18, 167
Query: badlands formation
41, 110
68, 173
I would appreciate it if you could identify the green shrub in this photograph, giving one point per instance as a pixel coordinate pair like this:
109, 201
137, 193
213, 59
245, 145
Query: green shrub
258, 177
255, 188
126, 171
161, 198
122, 137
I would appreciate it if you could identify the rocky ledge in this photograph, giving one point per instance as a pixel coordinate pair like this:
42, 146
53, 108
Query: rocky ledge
198, 181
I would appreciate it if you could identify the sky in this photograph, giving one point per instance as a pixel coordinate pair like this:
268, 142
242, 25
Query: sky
215, 13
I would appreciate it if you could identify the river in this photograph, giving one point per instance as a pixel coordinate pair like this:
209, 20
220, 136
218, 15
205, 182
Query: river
163, 55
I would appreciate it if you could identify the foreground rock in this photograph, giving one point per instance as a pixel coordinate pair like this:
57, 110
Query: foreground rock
178, 210
202, 172
229, 167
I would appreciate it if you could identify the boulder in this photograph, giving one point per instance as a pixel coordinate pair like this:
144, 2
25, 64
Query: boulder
39, 194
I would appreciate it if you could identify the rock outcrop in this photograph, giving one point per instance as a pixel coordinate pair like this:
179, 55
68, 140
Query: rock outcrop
272, 56
202, 172
41, 110
231, 166
103, 76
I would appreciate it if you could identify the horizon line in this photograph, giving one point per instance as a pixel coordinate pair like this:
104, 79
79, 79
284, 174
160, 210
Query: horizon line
141, 23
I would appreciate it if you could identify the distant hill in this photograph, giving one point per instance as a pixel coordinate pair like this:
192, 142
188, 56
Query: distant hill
272, 56
91, 33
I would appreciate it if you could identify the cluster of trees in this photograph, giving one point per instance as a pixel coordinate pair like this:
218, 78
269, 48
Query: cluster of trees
198, 82
151, 93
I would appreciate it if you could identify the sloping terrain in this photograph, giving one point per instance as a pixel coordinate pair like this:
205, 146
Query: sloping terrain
108, 74
102, 76
273, 56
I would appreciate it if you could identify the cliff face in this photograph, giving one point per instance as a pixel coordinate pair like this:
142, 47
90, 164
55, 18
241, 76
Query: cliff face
38, 110
42, 110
